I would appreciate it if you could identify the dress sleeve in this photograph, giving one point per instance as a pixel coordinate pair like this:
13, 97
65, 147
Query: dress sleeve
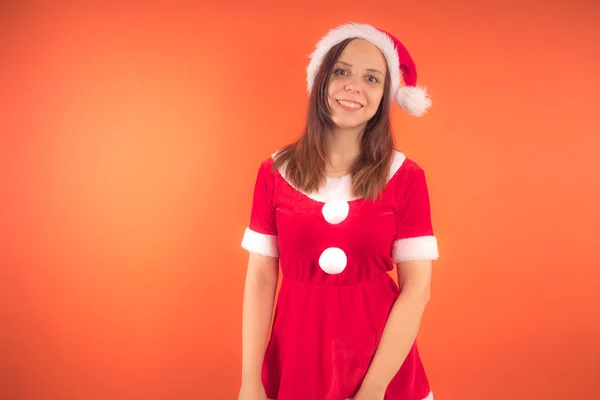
414, 239
261, 234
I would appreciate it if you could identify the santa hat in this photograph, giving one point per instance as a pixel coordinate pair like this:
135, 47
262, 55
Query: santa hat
411, 98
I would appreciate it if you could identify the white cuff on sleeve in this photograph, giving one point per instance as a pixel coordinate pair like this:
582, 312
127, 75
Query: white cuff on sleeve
260, 243
417, 248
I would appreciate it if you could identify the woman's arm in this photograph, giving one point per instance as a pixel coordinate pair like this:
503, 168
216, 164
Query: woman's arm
259, 296
400, 332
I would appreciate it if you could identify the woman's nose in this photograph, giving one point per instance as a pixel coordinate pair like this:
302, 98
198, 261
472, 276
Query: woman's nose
352, 87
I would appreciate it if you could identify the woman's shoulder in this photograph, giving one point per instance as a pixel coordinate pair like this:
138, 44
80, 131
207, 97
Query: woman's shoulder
402, 162
266, 166
405, 171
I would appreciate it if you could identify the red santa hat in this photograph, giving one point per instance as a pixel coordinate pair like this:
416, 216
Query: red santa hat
409, 97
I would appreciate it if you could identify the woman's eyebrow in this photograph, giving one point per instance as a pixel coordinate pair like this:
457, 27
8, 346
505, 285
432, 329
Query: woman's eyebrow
368, 69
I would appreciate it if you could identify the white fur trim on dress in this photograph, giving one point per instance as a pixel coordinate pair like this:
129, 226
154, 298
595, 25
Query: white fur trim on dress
416, 248
398, 159
260, 243
340, 189
356, 30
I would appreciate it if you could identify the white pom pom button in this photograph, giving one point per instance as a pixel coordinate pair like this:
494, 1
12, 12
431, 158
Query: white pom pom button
335, 211
333, 260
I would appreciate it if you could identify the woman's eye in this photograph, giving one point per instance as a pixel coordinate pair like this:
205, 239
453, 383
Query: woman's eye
370, 78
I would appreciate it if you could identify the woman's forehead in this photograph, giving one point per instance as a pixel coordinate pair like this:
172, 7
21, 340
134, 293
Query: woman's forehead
361, 53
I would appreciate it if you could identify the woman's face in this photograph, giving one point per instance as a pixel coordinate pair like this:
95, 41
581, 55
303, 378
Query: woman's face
356, 84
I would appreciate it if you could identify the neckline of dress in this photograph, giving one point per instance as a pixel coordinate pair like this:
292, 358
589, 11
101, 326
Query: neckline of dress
336, 178
334, 184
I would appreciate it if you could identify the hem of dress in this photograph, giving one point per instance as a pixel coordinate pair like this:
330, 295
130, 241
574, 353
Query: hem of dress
429, 397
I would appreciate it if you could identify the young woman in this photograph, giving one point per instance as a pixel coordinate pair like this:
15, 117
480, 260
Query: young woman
337, 209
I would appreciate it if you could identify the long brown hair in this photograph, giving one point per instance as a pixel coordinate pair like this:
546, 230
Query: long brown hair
305, 159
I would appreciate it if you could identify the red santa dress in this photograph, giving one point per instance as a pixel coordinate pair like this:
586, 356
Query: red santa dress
335, 252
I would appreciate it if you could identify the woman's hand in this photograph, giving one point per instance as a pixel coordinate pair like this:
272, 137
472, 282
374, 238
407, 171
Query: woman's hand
253, 390
365, 393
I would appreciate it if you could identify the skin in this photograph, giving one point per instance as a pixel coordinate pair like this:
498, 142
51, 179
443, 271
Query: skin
357, 76
259, 296
354, 78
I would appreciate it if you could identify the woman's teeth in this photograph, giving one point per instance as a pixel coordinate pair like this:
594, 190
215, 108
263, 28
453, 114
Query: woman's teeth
349, 104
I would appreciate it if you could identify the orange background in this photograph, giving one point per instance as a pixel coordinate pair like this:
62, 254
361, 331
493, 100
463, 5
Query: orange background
131, 137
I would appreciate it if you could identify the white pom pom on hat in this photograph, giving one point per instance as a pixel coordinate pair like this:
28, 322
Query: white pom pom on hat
411, 98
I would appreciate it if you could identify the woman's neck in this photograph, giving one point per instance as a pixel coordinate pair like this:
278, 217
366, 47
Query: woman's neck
344, 148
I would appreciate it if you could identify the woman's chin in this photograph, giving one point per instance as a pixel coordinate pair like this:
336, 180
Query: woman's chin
346, 124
